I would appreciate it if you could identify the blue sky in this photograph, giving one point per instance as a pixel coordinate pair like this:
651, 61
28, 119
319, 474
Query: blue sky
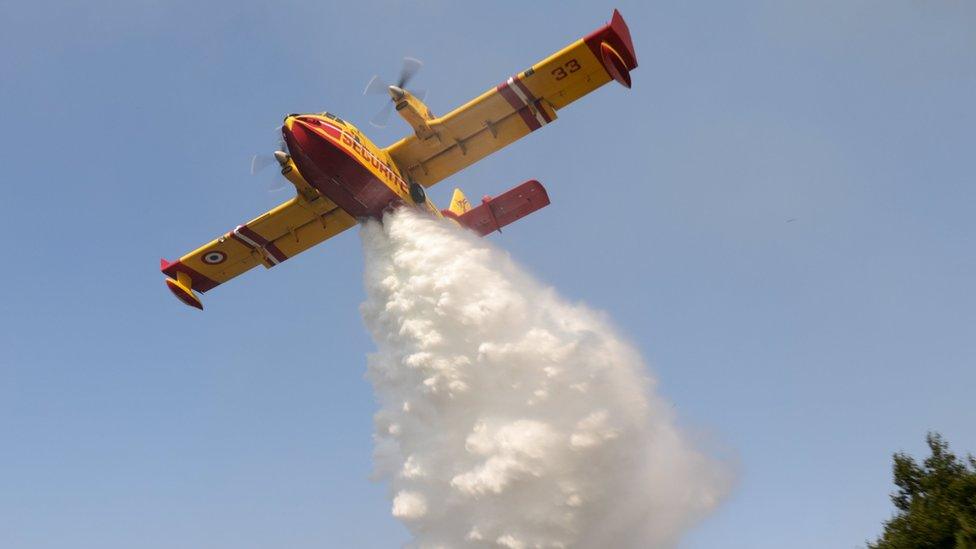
803, 351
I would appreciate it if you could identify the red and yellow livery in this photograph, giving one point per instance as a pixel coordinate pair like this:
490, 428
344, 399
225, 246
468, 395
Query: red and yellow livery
340, 176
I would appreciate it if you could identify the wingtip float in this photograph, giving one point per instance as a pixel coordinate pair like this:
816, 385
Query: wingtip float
340, 176
181, 285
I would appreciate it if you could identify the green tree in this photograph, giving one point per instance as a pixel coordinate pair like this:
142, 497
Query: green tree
935, 501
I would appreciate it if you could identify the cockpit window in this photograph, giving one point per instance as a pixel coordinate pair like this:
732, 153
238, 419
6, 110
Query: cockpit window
331, 116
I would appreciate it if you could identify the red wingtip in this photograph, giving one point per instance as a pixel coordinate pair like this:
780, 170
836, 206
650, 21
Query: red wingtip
622, 32
612, 45
163, 264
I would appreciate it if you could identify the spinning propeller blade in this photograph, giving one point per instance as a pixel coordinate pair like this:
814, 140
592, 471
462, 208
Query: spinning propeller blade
408, 70
261, 161
378, 85
382, 118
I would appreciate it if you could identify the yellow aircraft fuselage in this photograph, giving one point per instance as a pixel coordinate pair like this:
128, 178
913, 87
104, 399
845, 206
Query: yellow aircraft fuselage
332, 157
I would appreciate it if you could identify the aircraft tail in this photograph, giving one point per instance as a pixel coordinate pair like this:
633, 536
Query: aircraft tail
495, 213
459, 203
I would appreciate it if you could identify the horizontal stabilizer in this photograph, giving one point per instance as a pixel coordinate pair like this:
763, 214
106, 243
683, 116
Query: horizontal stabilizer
508, 207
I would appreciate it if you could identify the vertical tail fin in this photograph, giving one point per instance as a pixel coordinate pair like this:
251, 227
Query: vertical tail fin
459, 203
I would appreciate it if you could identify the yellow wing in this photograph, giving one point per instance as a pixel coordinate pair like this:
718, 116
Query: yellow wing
518, 106
273, 237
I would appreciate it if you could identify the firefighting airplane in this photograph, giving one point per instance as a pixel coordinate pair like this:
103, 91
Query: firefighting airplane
340, 176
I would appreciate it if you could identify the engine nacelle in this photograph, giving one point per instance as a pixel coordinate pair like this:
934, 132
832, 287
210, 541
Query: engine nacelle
413, 110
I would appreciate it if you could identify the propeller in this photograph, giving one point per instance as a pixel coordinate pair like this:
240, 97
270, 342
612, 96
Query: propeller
377, 86
261, 161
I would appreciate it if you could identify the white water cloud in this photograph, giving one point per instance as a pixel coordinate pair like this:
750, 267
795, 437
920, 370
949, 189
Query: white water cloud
509, 417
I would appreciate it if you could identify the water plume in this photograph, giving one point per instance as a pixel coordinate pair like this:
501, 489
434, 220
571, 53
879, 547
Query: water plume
509, 417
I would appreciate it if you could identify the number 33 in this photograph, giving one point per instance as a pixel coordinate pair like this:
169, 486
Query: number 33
568, 67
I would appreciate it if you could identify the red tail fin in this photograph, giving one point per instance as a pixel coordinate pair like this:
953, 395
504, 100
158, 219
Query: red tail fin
508, 207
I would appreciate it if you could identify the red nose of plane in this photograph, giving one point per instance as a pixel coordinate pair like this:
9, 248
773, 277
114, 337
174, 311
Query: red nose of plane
309, 138
314, 146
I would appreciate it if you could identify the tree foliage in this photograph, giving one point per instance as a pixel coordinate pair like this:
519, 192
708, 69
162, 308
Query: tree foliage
935, 502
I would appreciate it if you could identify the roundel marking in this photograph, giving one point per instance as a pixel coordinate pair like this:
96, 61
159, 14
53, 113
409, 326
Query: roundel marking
214, 257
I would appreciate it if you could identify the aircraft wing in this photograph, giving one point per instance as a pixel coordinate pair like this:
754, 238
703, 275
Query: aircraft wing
518, 106
273, 237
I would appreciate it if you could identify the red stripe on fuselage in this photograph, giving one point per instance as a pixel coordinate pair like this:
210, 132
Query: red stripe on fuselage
333, 131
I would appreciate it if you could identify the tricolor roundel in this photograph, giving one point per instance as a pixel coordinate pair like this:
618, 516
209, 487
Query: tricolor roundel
214, 258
